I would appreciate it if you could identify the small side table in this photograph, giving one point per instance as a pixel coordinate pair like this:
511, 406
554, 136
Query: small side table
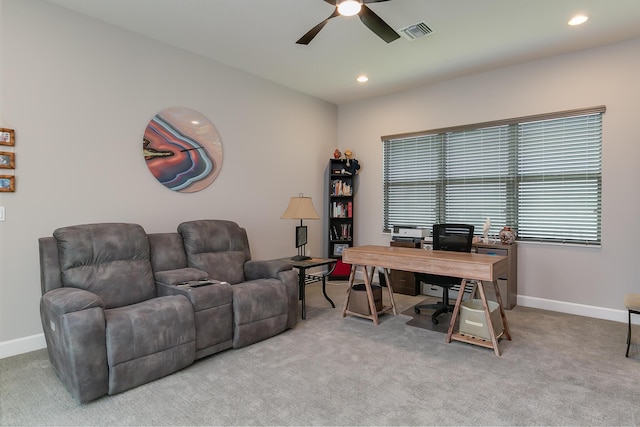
305, 279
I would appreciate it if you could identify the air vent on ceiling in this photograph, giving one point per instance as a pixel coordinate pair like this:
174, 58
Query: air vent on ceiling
415, 31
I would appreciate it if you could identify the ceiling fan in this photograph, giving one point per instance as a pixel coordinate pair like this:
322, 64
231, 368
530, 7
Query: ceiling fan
350, 8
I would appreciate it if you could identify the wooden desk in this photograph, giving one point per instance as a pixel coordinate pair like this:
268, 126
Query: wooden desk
470, 266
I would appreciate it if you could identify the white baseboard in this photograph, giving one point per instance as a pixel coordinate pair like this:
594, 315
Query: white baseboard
22, 345
578, 309
37, 342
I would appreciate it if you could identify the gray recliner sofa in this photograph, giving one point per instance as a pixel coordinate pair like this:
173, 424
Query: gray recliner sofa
264, 294
119, 310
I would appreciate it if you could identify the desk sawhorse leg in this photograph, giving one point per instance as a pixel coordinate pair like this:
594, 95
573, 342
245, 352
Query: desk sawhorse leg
472, 340
368, 278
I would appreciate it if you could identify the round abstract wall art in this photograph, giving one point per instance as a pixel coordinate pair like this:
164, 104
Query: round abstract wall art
182, 149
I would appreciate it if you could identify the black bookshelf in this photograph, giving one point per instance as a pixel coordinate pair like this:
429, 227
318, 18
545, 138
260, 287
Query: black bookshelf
341, 215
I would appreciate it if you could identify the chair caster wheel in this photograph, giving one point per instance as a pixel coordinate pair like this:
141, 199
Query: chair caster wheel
434, 321
417, 310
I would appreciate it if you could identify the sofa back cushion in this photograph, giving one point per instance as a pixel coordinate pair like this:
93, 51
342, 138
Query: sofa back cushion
111, 260
166, 252
218, 247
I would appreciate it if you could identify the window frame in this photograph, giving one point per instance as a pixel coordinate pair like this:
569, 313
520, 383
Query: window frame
512, 182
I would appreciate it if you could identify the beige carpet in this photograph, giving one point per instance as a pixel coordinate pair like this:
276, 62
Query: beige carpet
405, 306
331, 370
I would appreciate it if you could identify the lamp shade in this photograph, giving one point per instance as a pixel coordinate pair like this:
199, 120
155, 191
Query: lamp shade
300, 208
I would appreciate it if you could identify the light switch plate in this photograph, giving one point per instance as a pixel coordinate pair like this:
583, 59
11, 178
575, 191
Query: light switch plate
1, 213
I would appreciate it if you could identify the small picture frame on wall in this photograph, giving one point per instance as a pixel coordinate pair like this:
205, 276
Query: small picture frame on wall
7, 183
7, 137
7, 160
338, 248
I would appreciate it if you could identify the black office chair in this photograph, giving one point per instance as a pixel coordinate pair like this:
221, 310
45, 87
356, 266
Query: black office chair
446, 237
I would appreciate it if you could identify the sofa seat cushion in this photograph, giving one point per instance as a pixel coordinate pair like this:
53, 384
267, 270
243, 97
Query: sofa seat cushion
258, 299
148, 327
260, 310
149, 340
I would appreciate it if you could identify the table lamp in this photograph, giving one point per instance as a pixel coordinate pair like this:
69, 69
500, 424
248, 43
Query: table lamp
300, 208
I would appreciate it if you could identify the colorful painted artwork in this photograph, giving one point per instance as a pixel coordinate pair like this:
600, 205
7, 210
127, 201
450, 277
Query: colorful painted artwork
182, 149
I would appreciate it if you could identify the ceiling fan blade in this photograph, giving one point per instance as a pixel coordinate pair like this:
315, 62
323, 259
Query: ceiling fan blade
377, 25
306, 39
371, 1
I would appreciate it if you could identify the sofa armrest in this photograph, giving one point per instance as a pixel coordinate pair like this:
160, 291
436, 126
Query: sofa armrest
67, 300
173, 277
267, 269
290, 280
74, 327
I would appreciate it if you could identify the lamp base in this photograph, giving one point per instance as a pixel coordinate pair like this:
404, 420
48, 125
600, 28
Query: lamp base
300, 258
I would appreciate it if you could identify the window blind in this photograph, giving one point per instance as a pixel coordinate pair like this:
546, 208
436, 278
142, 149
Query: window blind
540, 175
560, 184
411, 174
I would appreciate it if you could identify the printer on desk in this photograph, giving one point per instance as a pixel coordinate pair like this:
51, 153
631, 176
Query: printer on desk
406, 236
409, 233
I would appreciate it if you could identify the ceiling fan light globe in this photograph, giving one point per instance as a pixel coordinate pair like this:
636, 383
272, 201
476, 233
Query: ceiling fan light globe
577, 20
349, 7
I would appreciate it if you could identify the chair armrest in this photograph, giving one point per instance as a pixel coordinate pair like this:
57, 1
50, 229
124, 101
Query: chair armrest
68, 300
267, 269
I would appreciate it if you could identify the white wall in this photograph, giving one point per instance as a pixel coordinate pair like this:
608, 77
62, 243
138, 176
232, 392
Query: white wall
551, 276
79, 94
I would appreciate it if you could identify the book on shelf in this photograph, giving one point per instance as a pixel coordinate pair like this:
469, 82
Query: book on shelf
342, 210
340, 188
346, 232
333, 232
341, 232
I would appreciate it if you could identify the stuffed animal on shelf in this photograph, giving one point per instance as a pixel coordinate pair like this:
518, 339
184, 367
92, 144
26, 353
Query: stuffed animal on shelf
352, 165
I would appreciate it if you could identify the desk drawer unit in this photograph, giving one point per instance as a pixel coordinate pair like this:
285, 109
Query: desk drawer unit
403, 282
507, 283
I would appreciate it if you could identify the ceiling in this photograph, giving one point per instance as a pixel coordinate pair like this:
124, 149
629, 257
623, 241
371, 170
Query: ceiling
469, 36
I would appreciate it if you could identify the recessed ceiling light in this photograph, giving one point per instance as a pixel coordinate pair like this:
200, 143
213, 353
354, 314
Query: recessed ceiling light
362, 79
578, 19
